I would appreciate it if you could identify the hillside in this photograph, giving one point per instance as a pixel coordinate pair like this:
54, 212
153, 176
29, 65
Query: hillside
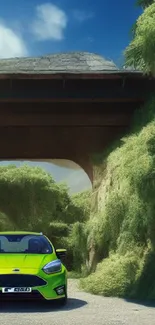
122, 226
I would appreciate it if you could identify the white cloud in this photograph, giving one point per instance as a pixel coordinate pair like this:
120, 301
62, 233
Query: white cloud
11, 44
82, 16
50, 22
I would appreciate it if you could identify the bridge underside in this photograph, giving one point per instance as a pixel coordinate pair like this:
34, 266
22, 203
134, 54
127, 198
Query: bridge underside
66, 117
71, 130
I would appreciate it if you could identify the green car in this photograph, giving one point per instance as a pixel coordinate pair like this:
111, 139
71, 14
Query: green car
31, 268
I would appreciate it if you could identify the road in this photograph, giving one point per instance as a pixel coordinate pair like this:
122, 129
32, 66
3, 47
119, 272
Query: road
82, 309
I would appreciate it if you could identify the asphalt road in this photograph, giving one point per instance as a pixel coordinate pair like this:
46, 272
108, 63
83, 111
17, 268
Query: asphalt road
82, 309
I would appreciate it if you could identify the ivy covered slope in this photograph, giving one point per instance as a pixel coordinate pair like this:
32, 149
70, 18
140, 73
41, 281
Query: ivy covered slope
122, 229
123, 226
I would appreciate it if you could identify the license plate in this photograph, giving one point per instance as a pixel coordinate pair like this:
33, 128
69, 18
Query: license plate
16, 290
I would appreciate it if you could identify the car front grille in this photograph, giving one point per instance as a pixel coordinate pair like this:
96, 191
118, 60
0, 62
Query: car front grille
35, 295
21, 280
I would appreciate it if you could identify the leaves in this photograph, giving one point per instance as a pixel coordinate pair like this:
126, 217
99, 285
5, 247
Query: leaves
124, 220
31, 200
30, 197
144, 3
141, 51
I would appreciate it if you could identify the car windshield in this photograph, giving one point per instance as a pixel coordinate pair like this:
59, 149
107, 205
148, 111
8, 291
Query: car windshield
24, 244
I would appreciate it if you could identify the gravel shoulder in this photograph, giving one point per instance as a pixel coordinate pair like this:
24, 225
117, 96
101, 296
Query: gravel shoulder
82, 308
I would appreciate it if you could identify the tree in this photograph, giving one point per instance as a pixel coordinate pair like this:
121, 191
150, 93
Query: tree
31, 199
144, 3
82, 202
141, 51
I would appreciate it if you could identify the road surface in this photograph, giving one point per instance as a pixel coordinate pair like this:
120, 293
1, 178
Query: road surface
82, 309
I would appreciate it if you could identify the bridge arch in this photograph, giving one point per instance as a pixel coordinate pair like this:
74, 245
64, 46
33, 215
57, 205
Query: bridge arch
62, 170
83, 163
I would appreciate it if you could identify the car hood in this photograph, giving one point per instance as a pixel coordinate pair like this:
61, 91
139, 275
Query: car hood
26, 261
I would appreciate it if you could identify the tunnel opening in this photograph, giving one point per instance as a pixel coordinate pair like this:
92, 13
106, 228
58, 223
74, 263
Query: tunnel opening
38, 204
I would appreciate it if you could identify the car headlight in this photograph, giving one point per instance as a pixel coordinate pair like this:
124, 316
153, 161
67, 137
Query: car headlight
53, 267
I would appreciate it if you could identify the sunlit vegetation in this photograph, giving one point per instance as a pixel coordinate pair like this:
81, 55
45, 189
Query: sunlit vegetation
140, 53
31, 200
122, 228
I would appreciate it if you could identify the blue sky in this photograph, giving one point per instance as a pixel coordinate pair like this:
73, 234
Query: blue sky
38, 27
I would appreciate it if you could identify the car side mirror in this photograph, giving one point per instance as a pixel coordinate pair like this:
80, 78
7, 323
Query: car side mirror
61, 253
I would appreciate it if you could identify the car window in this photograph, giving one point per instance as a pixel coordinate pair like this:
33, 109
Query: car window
29, 244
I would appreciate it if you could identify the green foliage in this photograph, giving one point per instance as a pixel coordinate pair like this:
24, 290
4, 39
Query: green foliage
133, 30
74, 275
5, 223
125, 219
144, 288
144, 3
31, 200
129, 203
78, 242
58, 229
82, 201
114, 276
141, 51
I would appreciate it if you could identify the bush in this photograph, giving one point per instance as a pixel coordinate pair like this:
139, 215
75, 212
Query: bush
37, 203
144, 288
78, 242
115, 276
58, 229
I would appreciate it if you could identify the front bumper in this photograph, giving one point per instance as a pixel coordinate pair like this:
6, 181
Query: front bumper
43, 286
34, 295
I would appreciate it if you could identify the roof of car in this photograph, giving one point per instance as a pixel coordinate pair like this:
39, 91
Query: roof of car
20, 233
